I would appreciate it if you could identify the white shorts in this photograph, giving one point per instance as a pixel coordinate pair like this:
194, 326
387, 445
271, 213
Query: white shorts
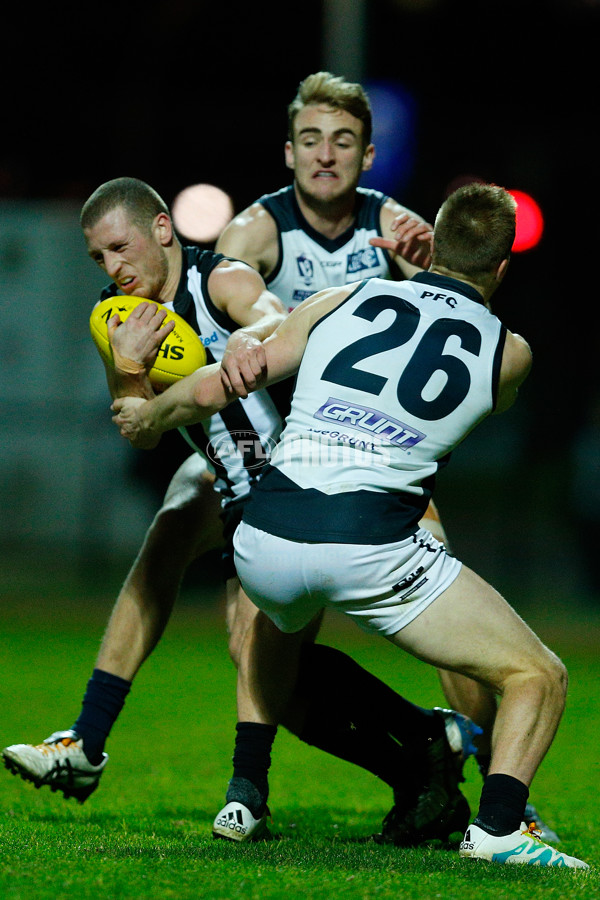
382, 587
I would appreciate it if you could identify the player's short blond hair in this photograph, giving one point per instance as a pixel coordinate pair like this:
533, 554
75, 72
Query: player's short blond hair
474, 229
332, 90
141, 202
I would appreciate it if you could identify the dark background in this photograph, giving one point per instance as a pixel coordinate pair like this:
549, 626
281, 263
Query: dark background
180, 92
184, 91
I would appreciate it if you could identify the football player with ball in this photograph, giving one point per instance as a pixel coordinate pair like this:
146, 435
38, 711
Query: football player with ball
325, 219
345, 534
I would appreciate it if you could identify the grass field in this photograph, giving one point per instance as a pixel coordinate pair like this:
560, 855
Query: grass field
146, 832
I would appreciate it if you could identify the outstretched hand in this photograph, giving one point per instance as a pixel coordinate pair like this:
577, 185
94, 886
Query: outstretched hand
412, 240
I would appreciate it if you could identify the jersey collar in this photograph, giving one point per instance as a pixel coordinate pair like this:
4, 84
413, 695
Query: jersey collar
450, 284
329, 244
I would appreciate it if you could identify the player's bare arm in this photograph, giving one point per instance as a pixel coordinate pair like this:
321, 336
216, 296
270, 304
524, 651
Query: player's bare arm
239, 291
516, 365
143, 422
284, 349
406, 236
202, 394
252, 237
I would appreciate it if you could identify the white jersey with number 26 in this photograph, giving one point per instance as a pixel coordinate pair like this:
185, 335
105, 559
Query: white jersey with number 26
390, 382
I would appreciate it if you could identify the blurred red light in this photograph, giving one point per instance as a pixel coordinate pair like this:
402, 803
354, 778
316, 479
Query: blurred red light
530, 222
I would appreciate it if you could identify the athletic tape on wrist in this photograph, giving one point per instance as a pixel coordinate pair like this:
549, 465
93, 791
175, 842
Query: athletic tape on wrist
126, 366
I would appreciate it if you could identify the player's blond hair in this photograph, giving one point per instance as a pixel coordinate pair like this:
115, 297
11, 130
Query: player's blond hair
332, 90
474, 229
141, 202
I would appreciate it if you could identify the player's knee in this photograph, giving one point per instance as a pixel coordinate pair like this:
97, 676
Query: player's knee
189, 525
557, 675
547, 676
555, 686
168, 544
235, 646
552, 669
240, 616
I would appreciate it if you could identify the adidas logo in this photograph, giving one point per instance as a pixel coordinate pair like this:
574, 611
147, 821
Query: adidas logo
234, 821
467, 843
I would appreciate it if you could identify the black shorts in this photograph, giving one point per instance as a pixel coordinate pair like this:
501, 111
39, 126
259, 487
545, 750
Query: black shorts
231, 516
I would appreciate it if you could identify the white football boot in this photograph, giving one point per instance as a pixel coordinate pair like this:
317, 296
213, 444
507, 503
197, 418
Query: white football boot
235, 822
520, 847
58, 762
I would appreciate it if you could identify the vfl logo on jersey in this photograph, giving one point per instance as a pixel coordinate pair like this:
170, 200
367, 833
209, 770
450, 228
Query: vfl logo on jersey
361, 260
370, 420
305, 268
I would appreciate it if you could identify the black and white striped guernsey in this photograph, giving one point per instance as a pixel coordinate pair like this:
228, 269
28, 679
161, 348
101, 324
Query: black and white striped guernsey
238, 441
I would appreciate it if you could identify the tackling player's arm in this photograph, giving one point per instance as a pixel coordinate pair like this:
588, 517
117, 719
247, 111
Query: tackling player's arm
516, 365
406, 236
240, 292
201, 395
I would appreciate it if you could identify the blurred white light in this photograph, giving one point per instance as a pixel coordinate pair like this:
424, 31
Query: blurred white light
201, 212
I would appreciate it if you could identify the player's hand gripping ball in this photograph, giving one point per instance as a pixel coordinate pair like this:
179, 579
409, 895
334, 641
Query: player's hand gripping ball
180, 354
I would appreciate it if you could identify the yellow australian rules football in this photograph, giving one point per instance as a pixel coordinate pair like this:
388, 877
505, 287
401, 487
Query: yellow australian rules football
180, 354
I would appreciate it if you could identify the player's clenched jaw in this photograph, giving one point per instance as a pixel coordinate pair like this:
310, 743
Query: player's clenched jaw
131, 257
327, 154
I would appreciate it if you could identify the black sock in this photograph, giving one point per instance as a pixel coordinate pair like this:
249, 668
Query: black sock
355, 716
502, 804
103, 701
251, 763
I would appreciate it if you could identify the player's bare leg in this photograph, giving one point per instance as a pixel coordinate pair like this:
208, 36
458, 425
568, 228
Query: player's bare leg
473, 700
491, 643
240, 615
269, 671
267, 675
287, 679
72, 761
471, 628
186, 526
463, 694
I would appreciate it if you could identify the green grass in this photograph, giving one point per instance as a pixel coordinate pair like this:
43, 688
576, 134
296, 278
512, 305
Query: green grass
146, 832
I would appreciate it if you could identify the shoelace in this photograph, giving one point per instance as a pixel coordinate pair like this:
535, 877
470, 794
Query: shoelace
533, 831
57, 747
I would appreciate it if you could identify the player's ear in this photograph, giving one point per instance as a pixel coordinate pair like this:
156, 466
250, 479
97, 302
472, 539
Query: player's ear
368, 157
289, 155
162, 228
501, 270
